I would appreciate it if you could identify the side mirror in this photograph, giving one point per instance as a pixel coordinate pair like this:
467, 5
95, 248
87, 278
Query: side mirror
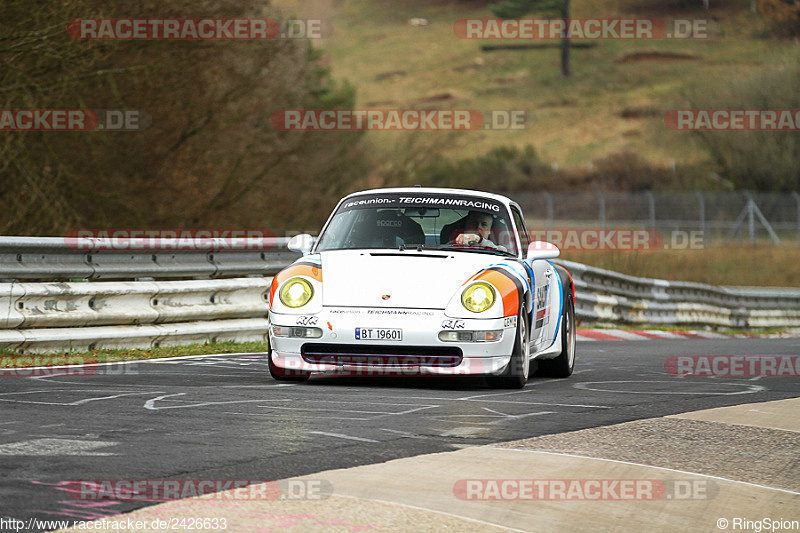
542, 250
301, 243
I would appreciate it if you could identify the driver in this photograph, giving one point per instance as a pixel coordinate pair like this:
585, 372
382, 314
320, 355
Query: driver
477, 231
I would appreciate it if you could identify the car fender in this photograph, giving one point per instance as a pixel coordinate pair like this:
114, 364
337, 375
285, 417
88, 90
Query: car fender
308, 268
566, 290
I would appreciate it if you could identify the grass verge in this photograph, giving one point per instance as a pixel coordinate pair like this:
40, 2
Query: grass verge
740, 265
10, 358
659, 327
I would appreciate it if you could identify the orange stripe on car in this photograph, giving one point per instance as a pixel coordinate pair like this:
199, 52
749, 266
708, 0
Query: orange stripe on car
505, 286
572, 283
301, 269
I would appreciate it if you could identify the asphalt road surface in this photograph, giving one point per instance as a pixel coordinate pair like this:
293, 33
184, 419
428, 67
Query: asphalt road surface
223, 417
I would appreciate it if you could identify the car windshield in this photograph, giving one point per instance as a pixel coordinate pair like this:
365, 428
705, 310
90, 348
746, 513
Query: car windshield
433, 222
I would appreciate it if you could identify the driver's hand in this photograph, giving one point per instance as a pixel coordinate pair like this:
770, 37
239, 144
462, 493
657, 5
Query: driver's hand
466, 239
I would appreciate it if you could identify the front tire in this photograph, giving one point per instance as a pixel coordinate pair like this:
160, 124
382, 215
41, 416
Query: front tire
563, 365
516, 373
282, 374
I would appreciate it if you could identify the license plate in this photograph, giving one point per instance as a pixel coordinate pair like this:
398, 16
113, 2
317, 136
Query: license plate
379, 334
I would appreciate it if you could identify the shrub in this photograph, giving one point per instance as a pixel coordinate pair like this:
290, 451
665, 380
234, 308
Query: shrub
502, 169
762, 161
783, 16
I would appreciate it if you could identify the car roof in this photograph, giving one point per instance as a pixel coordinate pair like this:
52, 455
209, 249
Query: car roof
437, 190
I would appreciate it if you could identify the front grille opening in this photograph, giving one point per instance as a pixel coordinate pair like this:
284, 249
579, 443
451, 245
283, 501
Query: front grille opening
375, 355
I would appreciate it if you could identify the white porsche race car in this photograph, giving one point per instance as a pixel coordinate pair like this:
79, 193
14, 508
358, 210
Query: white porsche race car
422, 281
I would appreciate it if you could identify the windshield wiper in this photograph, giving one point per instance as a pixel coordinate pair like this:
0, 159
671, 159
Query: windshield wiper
420, 247
475, 249
486, 250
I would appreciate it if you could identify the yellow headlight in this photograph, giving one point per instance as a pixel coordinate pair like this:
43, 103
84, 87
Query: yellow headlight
478, 297
296, 293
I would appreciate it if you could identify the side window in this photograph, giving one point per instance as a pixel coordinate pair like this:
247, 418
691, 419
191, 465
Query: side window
523, 232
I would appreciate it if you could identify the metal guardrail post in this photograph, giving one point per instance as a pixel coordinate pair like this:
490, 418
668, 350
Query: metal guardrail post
797, 199
602, 211
756, 212
651, 206
750, 212
702, 212
550, 209
751, 221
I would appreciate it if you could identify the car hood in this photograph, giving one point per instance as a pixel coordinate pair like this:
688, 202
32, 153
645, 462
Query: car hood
427, 279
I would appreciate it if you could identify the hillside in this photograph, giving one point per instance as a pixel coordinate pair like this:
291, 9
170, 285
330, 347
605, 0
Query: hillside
614, 102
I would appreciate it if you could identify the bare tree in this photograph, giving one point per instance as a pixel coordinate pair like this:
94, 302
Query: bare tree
211, 155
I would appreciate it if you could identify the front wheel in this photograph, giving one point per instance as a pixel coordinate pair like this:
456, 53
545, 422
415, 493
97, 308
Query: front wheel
282, 374
563, 365
516, 373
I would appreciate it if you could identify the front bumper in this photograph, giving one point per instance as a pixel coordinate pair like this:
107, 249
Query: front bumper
420, 352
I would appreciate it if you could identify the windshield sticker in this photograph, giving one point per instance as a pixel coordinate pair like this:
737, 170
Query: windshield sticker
453, 202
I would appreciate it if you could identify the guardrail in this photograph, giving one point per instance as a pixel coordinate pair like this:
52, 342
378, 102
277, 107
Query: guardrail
51, 258
53, 316
41, 305
60, 315
606, 296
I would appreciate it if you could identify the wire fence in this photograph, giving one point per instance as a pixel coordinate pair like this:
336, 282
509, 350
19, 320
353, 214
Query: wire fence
721, 218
